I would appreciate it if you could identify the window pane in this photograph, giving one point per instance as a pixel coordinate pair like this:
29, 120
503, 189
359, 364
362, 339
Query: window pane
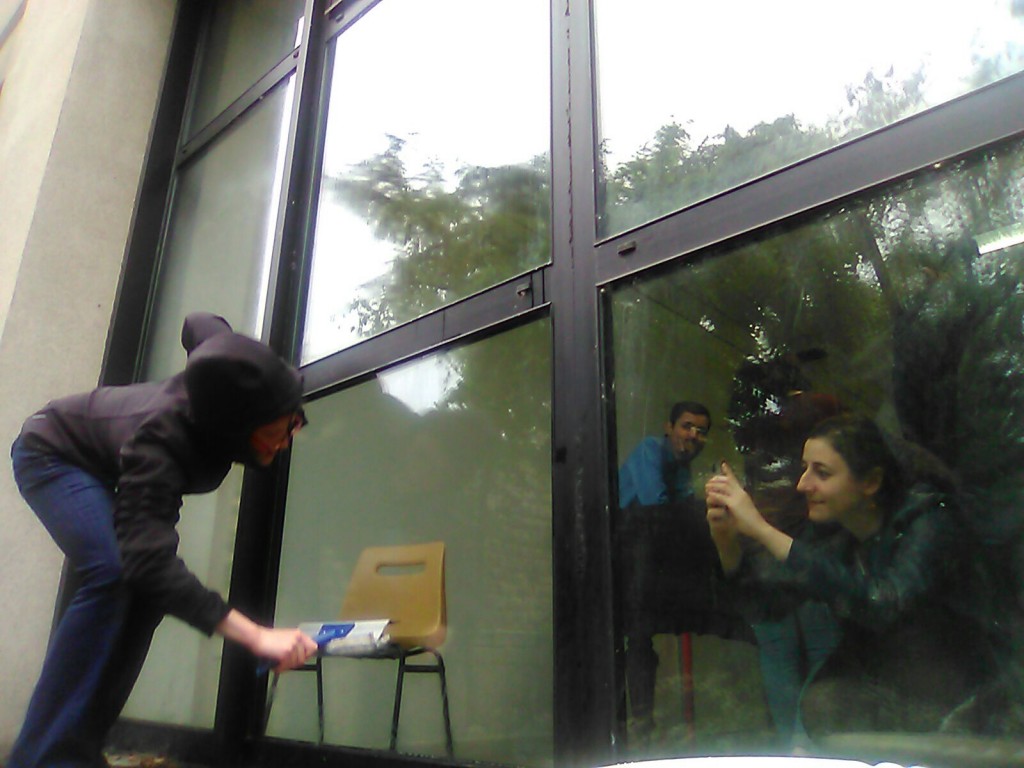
217, 255
697, 98
244, 41
906, 308
454, 447
216, 258
178, 684
436, 164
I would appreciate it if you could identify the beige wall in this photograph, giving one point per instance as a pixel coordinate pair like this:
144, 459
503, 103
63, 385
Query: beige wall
80, 79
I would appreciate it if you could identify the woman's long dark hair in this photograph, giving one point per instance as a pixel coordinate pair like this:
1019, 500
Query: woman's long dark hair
864, 447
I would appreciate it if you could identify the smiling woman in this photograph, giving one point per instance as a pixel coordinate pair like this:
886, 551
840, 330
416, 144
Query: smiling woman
851, 486
891, 588
835, 495
894, 576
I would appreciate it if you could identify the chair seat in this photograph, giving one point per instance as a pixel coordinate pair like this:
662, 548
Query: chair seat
388, 651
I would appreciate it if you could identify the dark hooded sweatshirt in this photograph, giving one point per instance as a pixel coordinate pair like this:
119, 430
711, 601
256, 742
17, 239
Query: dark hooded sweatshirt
155, 441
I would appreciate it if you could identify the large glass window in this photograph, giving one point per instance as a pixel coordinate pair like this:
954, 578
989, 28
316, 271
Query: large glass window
697, 98
244, 40
436, 166
895, 607
216, 258
452, 447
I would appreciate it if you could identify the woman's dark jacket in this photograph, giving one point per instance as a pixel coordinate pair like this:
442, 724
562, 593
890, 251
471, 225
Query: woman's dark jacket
153, 442
906, 598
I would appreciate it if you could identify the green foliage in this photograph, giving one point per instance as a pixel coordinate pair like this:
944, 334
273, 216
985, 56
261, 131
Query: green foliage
449, 242
670, 173
835, 284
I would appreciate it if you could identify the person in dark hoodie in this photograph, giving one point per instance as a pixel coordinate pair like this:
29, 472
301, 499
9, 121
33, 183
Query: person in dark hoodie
105, 472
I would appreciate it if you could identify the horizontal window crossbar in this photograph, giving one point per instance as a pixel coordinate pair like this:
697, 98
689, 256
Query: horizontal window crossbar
254, 95
950, 130
510, 301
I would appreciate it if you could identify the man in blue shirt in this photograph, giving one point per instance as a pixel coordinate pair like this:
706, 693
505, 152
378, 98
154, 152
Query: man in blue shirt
656, 473
658, 469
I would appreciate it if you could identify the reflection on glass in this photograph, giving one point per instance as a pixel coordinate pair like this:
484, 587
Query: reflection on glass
216, 258
452, 447
684, 116
244, 41
903, 309
436, 164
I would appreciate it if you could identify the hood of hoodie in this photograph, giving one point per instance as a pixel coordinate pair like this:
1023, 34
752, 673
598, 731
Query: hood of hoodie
235, 383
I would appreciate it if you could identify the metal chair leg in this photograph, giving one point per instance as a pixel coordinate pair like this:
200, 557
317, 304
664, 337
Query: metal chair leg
320, 696
398, 701
449, 746
270, 703
437, 668
318, 668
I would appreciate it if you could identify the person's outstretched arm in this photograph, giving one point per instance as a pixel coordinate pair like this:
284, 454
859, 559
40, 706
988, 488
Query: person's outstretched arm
285, 648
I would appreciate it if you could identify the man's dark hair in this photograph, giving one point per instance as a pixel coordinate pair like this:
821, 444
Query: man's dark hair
688, 406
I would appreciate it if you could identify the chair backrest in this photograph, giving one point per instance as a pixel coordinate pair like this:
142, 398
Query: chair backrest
405, 584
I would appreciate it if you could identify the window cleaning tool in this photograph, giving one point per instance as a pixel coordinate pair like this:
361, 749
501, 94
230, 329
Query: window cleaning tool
332, 638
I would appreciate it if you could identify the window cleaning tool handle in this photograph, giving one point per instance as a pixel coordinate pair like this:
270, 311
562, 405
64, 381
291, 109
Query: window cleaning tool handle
321, 639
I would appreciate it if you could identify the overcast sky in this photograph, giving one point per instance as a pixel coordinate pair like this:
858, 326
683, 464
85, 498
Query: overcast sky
740, 62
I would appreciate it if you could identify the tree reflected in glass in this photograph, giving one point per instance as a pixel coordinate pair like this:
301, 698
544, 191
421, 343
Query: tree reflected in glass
684, 118
905, 306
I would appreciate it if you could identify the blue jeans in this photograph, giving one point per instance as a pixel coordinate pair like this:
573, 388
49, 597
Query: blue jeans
791, 652
101, 641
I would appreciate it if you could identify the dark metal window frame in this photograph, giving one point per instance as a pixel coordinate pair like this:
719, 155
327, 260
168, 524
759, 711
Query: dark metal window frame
929, 139
568, 290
